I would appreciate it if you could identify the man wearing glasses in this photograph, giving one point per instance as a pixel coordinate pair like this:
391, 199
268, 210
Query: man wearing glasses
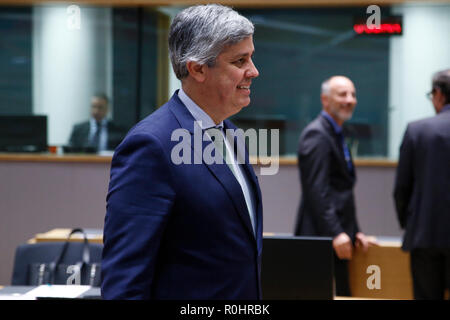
422, 194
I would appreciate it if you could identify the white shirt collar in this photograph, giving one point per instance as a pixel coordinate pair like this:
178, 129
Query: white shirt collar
198, 113
93, 122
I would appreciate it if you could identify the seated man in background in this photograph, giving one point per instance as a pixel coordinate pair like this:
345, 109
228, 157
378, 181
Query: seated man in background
98, 133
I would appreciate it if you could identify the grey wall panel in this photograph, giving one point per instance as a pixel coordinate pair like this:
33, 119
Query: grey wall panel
281, 197
374, 201
373, 193
38, 196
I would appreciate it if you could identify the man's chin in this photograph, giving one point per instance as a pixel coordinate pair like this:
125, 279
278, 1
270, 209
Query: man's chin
245, 103
345, 117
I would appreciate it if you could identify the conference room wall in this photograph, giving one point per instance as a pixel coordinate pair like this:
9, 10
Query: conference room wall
38, 196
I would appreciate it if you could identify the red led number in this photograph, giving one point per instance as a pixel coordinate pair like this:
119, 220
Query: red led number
385, 28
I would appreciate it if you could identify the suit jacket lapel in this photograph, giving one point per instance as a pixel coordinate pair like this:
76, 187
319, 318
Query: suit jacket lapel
84, 135
225, 177
256, 191
241, 149
249, 172
220, 171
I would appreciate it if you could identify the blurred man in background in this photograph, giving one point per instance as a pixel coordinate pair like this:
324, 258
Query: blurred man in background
98, 133
327, 177
422, 194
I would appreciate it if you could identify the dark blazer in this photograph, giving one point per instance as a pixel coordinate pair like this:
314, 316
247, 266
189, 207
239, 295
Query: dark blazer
327, 205
79, 137
177, 231
422, 184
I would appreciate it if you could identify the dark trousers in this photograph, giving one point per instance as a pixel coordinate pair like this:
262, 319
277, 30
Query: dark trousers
430, 270
341, 277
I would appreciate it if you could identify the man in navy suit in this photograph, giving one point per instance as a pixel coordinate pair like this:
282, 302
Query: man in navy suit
189, 229
422, 194
327, 177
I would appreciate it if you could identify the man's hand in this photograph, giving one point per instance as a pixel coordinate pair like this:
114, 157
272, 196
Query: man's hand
342, 244
364, 242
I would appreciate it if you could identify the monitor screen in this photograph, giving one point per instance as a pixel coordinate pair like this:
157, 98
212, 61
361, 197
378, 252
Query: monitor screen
23, 133
295, 268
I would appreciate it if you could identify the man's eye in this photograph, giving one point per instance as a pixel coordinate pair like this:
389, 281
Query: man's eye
240, 62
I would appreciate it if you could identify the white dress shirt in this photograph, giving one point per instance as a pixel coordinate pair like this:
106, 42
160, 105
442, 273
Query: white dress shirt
206, 123
103, 142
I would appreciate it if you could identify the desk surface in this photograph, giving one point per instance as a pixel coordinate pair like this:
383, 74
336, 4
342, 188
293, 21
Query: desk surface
96, 236
94, 293
393, 263
61, 234
94, 158
48, 157
20, 292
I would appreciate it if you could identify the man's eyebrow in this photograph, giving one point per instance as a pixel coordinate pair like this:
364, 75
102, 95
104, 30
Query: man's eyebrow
243, 54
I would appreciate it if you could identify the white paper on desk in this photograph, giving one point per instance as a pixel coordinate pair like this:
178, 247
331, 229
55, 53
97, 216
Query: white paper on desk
15, 296
56, 291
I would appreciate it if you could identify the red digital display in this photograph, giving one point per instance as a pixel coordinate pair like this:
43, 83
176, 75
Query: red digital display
384, 28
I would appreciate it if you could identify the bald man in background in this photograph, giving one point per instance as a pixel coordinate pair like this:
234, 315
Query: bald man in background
327, 176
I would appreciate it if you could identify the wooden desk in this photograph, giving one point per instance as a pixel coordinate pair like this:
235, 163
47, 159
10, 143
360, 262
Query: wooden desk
61, 234
94, 158
396, 280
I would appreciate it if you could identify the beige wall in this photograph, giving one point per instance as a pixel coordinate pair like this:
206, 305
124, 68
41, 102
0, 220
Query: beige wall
38, 196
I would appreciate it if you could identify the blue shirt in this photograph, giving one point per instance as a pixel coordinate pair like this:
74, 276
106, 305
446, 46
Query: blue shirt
103, 139
337, 128
446, 107
338, 131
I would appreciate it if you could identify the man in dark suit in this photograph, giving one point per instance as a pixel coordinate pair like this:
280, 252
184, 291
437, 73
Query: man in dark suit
422, 194
98, 133
327, 177
188, 229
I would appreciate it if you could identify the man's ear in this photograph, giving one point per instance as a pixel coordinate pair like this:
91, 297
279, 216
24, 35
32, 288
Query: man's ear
196, 71
440, 97
324, 100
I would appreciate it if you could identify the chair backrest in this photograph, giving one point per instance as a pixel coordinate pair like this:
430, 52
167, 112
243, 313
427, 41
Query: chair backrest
46, 252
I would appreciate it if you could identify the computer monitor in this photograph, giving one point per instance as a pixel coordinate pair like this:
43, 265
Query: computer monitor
295, 268
23, 133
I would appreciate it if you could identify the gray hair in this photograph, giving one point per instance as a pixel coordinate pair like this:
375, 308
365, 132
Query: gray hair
441, 80
325, 88
200, 33
101, 95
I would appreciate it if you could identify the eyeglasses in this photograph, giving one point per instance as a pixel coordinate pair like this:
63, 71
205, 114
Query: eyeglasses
430, 94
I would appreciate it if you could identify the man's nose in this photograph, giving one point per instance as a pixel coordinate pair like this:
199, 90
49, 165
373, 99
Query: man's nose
350, 98
252, 72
